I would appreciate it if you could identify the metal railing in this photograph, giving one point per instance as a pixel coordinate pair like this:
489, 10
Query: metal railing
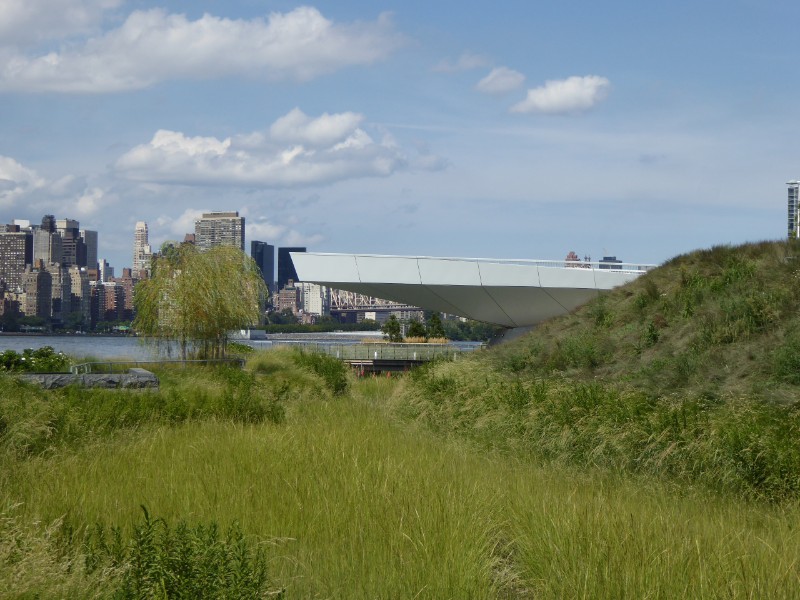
121, 366
366, 352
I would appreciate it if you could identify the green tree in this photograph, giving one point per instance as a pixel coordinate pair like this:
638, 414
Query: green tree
434, 326
391, 329
416, 330
196, 298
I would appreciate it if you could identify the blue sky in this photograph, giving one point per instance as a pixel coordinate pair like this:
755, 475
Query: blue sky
513, 129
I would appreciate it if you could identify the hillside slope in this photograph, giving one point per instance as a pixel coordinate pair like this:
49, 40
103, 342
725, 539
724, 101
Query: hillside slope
689, 373
708, 323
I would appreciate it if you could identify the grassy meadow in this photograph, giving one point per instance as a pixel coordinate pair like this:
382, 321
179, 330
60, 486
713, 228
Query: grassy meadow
292, 479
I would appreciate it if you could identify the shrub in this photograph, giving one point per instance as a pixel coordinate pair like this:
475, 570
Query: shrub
332, 370
42, 360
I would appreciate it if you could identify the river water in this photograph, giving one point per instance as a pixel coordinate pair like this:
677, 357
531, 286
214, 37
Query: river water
133, 348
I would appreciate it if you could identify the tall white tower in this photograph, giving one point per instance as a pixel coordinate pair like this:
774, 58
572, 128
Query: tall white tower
141, 248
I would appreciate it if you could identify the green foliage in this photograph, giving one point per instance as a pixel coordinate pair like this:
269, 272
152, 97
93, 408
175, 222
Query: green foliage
239, 349
391, 329
41, 360
786, 364
333, 371
458, 330
734, 446
416, 330
34, 421
434, 326
196, 298
183, 561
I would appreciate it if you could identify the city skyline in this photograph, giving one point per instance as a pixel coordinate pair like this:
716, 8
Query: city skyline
404, 128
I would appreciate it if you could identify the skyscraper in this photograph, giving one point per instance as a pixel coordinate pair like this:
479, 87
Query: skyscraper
219, 229
794, 207
142, 253
89, 238
73, 246
286, 270
47, 246
264, 256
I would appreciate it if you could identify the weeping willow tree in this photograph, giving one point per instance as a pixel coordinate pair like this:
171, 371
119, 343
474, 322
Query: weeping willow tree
196, 298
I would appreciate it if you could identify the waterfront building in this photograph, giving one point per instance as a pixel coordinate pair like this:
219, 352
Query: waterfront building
264, 256
793, 209
142, 252
286, 270
316, 299
288, 297
80, 293
60, 292
15, 250
37, 288
72, 245
219, 229
47, 246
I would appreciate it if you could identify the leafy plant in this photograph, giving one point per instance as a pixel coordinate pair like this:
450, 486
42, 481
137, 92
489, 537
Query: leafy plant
42, 360
183, 561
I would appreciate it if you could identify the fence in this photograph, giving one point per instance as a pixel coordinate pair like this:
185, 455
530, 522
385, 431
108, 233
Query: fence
122, 366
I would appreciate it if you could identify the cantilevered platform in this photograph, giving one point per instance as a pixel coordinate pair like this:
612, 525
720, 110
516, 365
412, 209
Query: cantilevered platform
512, 293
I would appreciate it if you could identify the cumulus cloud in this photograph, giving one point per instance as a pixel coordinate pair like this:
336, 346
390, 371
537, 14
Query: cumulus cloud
298, 128
466, 62
571, 95
26, 22
152, 46
500, 80
296, 151
91, 200
16, 180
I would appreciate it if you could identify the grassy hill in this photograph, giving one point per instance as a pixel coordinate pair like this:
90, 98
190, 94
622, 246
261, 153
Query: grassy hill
709, 323
690, 373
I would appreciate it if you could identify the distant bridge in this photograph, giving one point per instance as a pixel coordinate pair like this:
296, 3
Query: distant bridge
511, 293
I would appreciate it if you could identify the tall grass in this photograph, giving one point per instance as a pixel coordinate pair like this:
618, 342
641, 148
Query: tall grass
732, 445
347, 502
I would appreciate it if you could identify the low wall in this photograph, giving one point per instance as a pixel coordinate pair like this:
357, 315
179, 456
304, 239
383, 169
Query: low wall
133, 379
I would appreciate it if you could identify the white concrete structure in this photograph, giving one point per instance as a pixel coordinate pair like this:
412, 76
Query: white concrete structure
512, 293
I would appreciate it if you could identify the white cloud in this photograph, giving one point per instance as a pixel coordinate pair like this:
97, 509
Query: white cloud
92, 200
306, 152
30, 21
298, 128
500, 81
16, 180
184, 223
466, 62
152, 46
571, 95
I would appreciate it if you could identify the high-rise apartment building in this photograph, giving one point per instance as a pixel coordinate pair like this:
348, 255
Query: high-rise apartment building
106, 270
794, 209
219, 229
142, 252
264, 256
15, 251
37, 283
316, 299
80, 295
286, 270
